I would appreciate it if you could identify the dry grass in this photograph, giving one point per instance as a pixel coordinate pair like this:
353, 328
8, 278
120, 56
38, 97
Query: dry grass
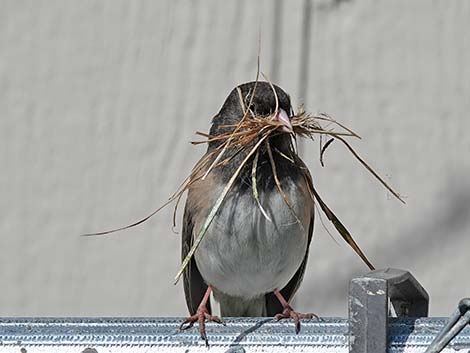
248, 136
257, 129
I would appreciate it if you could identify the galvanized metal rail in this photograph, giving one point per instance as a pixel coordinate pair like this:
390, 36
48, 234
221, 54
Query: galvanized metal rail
370, 328
92, 335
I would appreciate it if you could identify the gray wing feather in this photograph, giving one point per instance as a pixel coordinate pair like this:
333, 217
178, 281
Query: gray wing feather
194, 285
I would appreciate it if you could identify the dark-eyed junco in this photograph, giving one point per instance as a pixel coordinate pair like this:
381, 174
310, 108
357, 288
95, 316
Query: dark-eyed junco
253, 255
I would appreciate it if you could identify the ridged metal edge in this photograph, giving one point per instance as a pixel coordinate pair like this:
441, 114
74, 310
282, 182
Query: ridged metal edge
254, 333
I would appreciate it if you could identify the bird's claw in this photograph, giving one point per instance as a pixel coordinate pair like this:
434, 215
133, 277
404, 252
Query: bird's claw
289, 313
202, 315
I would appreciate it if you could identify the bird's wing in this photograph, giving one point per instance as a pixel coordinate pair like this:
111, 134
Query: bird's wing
194, 285
273, 306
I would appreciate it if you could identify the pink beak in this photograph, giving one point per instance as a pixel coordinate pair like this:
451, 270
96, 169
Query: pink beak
284, 119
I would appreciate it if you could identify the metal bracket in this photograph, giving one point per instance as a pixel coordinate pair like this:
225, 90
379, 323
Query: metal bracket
458, 320
369, 307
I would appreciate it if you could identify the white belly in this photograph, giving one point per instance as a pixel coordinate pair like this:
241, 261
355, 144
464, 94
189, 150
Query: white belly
243, 254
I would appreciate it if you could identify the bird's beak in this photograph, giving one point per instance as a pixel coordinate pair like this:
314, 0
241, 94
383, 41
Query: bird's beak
282, 117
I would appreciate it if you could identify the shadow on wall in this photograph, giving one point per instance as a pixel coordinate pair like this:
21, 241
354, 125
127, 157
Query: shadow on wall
446, 226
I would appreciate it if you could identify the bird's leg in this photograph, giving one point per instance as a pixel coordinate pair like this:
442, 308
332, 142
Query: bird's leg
288, 312
202, 314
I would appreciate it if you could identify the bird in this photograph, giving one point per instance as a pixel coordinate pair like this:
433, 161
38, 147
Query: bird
253, 255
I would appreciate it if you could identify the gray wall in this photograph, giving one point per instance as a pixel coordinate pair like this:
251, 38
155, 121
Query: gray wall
98, 100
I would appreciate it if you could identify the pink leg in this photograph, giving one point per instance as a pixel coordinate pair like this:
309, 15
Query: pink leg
288, 312
202, 314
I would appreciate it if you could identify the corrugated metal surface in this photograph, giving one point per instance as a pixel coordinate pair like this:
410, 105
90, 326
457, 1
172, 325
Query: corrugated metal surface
240, 335
99, 98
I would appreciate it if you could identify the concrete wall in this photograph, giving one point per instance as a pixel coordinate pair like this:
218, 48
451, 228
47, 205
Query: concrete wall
98, 100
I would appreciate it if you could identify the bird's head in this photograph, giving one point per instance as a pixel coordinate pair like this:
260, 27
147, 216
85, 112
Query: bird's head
260, 100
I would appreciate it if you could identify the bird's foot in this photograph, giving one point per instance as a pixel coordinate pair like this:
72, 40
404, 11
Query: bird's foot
289, 313
202, 315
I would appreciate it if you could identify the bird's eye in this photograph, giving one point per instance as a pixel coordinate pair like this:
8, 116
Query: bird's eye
252, 108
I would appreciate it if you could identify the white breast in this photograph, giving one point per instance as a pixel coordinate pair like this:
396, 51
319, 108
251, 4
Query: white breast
244, 254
